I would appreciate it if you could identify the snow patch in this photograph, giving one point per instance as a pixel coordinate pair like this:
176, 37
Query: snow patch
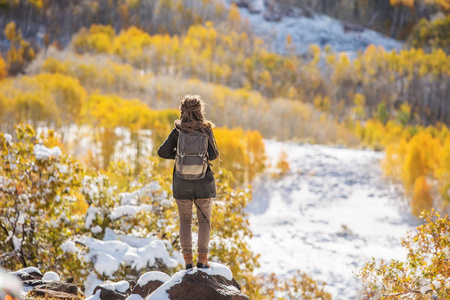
128, 210
94, 297
69, 246
96, 229
114, 250
27, 270
92, 281
121, 286
328, 216
135, 297
90, 216
218, 269
149, 190
8, 138
41, 152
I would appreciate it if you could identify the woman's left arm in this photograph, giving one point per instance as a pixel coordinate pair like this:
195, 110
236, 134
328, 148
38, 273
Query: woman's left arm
213, 150
168, 149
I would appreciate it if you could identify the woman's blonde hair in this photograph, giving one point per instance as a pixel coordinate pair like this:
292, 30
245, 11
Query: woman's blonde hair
191, 118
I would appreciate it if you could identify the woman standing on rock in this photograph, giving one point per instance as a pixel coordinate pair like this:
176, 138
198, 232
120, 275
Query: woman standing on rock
192, 144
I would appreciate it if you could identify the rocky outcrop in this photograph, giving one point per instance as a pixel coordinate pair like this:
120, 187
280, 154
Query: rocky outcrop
48, 285
216, 282
200, 285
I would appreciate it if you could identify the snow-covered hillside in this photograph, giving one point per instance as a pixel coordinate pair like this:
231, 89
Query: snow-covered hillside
329, 215
318, 29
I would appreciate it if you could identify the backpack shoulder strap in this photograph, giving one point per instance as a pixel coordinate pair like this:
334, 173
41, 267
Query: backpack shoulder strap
214, 144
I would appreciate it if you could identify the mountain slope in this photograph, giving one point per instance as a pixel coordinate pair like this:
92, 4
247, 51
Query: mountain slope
305, 29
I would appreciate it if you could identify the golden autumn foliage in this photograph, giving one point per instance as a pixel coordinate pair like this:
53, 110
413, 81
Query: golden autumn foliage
3, 71
424, 274
297, 286
20, 52
419, 158
99, 39
282, 165
106, 113
239, 60
408, 3
421, 199
54, 99
56, 192
432, 34
443, 4
241, 152
414, 165
40, 204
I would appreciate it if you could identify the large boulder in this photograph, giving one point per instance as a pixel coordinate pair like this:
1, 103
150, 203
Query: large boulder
216, 282
149, 282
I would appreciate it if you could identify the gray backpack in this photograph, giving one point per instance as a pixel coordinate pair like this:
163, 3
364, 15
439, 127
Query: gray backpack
191, 161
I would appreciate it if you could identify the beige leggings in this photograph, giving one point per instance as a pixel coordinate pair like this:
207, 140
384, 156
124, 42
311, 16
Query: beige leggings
185, 213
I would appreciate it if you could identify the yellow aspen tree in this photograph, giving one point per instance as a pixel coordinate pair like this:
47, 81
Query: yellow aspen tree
234, 17
3, 72
282, 163
20, 52
421, 199
414, 165
256, 153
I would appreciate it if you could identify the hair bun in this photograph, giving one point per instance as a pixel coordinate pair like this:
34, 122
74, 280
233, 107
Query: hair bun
191, 103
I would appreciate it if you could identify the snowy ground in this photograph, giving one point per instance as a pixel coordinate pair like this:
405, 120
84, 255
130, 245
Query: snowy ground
320, 30
328, 216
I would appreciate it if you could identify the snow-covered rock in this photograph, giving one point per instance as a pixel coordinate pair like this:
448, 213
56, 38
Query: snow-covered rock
51, 276
149, 282
152, 276
216, 282
27, 273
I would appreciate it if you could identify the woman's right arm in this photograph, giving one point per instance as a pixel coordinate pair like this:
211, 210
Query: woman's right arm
168, 149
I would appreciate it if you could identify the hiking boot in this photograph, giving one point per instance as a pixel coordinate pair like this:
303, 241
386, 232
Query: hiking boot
203, 261
189, 261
